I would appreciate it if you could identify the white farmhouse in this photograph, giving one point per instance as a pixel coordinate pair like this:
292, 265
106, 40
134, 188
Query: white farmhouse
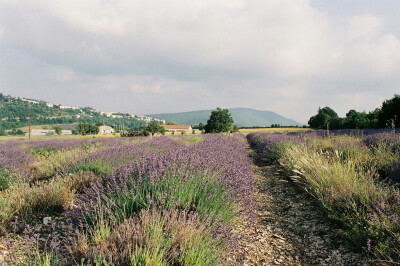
41, 132
105, 130
29, 101
68, 107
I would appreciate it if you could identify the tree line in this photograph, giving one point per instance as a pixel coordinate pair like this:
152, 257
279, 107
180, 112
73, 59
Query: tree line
388, 115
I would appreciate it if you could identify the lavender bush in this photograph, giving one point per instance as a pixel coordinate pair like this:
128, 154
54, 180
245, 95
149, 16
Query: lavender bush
211, 179
345, 170
176, 197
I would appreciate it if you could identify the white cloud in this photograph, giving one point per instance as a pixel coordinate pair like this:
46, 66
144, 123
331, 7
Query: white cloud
283, 55
363, 28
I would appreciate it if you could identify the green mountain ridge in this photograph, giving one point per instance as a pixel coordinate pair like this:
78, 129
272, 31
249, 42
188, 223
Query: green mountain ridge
15, 113
243, 117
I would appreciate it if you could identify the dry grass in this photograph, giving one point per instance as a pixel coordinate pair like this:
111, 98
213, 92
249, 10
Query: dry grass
189, 139
56, 195
338, 184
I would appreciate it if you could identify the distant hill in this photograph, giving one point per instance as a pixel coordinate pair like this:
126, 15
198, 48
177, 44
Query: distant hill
15, 112
243, 117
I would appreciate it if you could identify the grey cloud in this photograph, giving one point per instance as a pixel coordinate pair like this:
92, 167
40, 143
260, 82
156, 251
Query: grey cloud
165, 56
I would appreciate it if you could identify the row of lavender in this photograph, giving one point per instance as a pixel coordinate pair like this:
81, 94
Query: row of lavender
354, 174
136, 201
15, 156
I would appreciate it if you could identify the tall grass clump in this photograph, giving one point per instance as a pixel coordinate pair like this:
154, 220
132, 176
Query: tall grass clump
24, 200
346, 191
354, 177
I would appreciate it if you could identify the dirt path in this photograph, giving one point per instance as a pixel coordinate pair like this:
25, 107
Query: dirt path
292, 228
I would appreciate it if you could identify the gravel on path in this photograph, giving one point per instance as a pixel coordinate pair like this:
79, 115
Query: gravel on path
292, 228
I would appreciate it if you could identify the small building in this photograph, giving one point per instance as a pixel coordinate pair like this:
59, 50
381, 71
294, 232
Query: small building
105, 130
68, 107
177, 128
30, 101
47, 132
71, 127
41, 132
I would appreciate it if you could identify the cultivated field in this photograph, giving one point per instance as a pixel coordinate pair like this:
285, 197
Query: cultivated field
199, 200
124, 201
55, 137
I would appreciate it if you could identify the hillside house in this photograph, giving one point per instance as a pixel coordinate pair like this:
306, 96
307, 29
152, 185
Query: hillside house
105, 130
177, 128
68, 107
30, 101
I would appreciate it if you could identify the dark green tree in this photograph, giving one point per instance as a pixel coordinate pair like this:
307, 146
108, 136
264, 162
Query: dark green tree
82, 129
390, 112
58, 130
87, 129
94, 129
373, 118
220, 121
154, 128
356, 120
325, 116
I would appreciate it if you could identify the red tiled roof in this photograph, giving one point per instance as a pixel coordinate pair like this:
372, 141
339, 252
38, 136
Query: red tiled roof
175, 126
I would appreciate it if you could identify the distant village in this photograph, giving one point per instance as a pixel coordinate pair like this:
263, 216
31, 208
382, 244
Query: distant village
68, 129
146, 119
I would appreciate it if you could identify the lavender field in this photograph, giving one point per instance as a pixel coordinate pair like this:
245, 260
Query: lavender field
179, 200
124, 201
355, 176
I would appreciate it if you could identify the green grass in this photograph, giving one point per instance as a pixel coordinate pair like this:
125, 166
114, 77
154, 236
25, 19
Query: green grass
172, 194
151, 237
97, 167
4, 179
169, 192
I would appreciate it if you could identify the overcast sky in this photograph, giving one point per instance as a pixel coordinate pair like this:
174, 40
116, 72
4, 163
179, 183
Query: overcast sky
152, 56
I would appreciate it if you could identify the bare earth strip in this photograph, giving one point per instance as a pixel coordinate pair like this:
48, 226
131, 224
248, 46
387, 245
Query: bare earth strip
292, 229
